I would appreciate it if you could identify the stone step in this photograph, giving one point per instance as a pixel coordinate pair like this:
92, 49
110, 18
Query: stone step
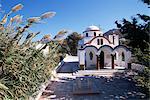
97, 72
103, 70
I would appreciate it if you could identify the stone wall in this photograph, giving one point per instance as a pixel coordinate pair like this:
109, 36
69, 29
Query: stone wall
137, 67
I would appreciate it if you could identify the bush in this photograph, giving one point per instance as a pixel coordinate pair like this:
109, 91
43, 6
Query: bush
143, 77
143, 80
23, 68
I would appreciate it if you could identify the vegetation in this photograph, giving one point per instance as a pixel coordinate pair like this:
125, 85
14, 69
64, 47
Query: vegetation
70, 44
146, 1
72, 41
136, 33
133, 30
23, 68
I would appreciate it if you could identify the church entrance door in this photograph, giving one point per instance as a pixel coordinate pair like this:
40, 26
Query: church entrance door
101, 60
112, 61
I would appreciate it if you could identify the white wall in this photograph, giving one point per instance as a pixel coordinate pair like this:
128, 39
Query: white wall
91, 33
94, 42
91, 63
116, 39
127, 55
44, 51
119, 64
81, 57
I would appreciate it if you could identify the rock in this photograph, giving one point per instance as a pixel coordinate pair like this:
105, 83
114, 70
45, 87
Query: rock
134, 92
122, 97
103, 92
52, 96
129, 93
132, 95
111, 95
111, 79
143, 96
140, 94
116, 97
106, 97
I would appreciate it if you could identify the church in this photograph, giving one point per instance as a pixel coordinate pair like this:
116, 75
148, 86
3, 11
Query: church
98, 50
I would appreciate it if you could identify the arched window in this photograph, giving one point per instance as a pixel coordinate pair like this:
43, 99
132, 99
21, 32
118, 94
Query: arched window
94, 33
113, 39
98, 42
101, 41
86, 34
91, 55
123, 56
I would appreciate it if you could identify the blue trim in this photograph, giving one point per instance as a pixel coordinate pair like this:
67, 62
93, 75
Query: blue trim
90, 46
106, 46
119, 46
122, 46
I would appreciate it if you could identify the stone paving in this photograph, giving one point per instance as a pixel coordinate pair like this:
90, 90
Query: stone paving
119, 87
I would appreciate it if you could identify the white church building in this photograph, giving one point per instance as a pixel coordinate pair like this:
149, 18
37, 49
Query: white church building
98, 50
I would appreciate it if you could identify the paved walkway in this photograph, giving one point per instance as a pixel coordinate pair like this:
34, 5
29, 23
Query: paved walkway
118, 87
91, 84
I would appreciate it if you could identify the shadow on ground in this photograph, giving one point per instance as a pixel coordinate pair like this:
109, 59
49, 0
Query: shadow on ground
119, 87
69, 67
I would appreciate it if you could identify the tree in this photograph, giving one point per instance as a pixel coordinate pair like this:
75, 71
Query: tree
72, 41
70, 44
136, 33
146, 1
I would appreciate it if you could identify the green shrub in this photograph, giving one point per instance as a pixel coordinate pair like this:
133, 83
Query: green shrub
23, 68
142, 78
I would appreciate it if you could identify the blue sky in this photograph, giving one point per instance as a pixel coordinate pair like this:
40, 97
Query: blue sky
76, 15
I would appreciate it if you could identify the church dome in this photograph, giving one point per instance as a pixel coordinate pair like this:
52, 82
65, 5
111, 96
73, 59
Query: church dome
92, 28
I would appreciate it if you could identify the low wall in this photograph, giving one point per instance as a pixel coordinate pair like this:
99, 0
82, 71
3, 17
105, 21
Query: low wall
137, 67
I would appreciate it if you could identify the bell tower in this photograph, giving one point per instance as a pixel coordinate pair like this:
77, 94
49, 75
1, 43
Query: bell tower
91, 32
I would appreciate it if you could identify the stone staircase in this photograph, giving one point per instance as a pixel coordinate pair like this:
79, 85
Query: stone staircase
80, 73
102, 72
